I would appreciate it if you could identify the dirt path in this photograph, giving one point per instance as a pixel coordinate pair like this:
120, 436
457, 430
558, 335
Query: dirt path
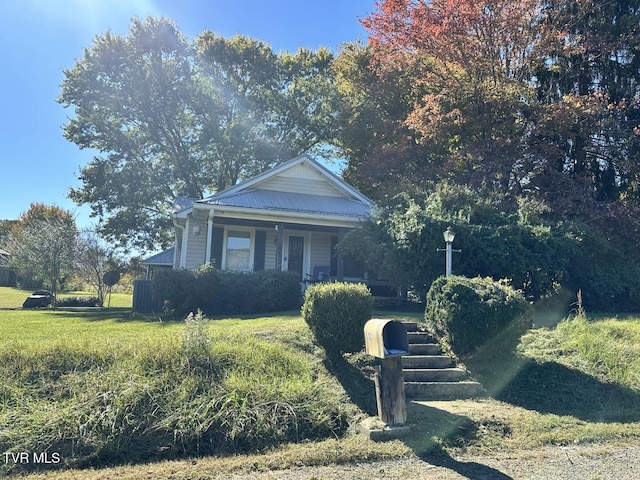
566, 463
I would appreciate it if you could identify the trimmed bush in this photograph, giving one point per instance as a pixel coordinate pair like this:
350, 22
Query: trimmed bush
469, 314
217, 292
78, 302
336, 314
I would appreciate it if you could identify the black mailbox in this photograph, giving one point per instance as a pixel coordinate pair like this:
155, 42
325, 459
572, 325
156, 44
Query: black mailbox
384, 338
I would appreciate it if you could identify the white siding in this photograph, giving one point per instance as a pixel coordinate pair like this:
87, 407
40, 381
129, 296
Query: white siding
320, 250
197, 245
300, 179
300, 185
270, 251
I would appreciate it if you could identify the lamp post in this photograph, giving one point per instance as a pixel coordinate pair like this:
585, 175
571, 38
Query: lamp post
448, 235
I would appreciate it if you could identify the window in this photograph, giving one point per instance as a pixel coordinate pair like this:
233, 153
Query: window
238, 250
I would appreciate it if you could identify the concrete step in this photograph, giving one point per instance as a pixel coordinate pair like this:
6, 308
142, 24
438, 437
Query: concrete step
427, 361
442, 390
453, 374
410, 326
419, 337
424, 349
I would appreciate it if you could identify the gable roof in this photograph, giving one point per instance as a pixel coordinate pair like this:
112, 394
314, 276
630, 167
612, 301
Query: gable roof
311, 189
332, 179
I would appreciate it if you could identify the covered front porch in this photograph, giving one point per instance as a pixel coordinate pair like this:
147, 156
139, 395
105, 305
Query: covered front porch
252, 245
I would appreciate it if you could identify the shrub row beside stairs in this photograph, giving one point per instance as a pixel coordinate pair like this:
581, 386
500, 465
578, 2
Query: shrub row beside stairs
336, 314
476, 315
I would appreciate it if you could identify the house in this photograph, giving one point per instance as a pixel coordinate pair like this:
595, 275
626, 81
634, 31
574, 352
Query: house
159, 261
288, 218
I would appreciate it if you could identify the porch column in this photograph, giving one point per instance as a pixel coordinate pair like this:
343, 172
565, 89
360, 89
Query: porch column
341, 233
279, 246
207, 255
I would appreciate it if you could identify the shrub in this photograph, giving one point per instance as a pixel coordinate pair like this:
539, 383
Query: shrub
468, 314
78, 302
217, 292
336, 314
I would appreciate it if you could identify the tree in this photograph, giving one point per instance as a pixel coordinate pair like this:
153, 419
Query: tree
588, 87
171, 118
471, 67
95, 258
526, 96
43, 244
5, 231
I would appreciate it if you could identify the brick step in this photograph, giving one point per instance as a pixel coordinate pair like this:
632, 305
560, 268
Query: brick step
443, 390
427, 361
424, 349
453, 374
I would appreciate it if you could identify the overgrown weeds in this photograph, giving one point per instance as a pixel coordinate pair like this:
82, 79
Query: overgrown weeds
212, 391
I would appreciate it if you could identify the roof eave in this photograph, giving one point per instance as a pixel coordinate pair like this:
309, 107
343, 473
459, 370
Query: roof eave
274, 215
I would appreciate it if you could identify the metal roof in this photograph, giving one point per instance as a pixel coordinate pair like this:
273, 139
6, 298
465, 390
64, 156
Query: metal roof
291, 202
162, 258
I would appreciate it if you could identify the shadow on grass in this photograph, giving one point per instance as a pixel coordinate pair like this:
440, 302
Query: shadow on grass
433, 430
97, 314
554, 388
360, 389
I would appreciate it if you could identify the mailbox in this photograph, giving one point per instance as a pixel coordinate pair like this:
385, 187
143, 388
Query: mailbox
384, 338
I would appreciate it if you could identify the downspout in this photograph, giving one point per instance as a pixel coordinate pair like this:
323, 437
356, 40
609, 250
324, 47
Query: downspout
183, 251
207, 255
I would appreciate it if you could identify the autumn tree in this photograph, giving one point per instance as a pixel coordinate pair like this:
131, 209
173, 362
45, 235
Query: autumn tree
171, 118
529, 97
472, 66
43, 245
383, 156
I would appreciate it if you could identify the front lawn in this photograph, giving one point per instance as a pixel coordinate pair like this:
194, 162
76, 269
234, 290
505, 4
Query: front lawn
101, 386
105, 386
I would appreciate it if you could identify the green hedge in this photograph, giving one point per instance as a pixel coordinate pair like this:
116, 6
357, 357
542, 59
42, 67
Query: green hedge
336, 314
217, 292
470, 314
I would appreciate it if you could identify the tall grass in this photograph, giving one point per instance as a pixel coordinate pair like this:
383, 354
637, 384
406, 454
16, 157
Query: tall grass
200, 388
608, 349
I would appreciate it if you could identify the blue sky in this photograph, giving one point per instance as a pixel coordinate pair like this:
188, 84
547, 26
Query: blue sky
40, 38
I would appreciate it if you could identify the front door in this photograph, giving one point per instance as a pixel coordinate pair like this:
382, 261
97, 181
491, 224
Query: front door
296, 255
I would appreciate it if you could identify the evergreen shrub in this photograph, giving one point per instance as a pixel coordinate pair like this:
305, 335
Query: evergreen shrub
473, 314
336, 314
217, 292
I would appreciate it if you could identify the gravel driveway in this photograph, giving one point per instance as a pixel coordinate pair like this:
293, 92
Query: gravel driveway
575, 462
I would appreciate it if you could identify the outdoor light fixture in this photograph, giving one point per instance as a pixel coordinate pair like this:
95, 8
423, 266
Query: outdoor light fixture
448, 235
196, 230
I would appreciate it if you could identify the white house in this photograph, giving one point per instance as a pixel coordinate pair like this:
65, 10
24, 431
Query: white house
287, 218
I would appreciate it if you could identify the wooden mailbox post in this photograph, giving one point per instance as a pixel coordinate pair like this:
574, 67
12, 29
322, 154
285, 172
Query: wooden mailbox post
387, 340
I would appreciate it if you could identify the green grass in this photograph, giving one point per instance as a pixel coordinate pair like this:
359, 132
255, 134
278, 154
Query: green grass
14, 297
85, 370
99, 386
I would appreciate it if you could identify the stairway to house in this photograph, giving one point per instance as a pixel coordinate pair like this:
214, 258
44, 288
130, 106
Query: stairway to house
430, 375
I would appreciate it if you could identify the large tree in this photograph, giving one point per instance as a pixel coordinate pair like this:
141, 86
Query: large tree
471, 66
529, 97
172, 118
43, 244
